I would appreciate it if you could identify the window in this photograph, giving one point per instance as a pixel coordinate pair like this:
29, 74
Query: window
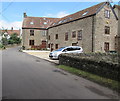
31, 42
73, 34
49, 37
107, 13
106, 46
79, 35
66, 36
31, 32
45, 23
56, 46
48, 45
107, 30
56, 36
44, 33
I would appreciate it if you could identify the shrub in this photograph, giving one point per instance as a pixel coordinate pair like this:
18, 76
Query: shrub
99, 64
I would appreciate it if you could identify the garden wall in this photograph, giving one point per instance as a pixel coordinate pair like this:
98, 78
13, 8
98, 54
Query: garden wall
102, 64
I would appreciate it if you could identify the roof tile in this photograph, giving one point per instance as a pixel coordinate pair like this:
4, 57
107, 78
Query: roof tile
38, 22
12, 32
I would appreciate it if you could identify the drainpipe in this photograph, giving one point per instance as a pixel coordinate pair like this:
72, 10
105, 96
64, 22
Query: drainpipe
46, 38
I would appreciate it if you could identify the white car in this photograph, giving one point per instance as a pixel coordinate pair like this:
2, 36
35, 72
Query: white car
70, 49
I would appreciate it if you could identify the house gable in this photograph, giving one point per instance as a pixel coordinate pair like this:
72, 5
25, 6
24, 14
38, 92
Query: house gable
105, 20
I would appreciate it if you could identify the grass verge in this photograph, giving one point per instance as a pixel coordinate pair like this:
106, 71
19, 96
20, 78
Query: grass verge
2, 47
114, 85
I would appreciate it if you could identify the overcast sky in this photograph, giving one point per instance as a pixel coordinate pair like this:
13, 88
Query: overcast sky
12, 12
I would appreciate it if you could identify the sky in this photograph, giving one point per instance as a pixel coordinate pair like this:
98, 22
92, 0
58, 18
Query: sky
12, 12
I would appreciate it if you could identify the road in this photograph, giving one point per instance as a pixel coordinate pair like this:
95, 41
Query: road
28, 77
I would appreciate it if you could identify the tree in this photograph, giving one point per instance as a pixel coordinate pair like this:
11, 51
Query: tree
4, 41
14, 39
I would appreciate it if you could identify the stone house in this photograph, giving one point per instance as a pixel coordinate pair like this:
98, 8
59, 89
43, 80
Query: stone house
34, 31
94, 29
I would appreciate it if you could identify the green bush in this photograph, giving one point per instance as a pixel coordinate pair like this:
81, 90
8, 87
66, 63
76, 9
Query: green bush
14, 39
99, 64
2, 46
23, 47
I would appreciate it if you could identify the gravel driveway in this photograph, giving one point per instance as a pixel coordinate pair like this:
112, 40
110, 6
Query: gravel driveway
41, 54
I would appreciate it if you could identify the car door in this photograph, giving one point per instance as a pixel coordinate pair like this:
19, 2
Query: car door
69, 50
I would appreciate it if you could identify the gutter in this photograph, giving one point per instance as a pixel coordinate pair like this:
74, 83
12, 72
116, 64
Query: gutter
71, 21
34, 28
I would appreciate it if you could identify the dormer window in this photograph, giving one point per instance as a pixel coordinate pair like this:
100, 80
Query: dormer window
45, 23
44, 18
31, 23
85, 13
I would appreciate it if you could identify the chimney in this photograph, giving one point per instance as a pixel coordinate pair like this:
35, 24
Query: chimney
25, 15
11, 28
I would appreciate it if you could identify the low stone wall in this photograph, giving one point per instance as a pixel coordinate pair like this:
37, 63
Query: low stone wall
102, 64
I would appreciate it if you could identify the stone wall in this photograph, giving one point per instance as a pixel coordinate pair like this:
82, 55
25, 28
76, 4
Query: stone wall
102, 64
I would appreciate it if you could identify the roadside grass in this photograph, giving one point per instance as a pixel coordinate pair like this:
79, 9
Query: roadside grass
114, 85
2, 47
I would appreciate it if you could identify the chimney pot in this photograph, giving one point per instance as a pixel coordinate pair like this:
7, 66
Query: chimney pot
12, 28
25, 15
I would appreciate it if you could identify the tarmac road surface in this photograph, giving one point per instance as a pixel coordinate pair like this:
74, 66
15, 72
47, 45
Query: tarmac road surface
28, 77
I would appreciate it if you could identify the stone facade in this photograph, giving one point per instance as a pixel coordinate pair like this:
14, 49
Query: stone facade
100, 37
84, 24
39, 36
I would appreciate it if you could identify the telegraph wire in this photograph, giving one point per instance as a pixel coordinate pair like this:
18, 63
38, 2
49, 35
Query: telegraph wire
7, 7
5, 18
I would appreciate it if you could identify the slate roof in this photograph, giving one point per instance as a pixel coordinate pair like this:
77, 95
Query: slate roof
42, 22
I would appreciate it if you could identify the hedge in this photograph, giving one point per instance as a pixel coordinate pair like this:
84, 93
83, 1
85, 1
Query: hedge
104, 65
